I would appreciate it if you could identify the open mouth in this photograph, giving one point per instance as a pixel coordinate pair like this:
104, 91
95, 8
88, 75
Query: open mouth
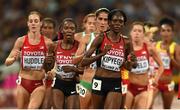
33, 27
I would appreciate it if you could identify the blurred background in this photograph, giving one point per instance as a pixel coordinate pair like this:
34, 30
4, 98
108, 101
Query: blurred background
13, 14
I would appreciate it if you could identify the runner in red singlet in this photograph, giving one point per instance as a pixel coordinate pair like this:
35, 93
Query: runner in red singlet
64, 85
33, 47
137, 95
112, 51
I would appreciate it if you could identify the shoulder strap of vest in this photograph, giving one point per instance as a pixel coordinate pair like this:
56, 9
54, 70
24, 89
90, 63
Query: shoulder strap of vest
158, 45
172, 49
146, 48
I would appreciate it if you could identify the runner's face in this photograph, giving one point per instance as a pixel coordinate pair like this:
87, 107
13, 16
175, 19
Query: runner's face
48, 29
68, 30
34, 23
116, 23
90, 24
137, 33
166, 32
102, 21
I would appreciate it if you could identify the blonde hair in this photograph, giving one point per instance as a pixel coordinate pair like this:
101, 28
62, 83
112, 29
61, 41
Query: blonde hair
86, 18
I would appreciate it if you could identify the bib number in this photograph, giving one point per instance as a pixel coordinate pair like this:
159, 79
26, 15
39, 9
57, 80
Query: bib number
171, 86
53, 83
82, 91
96, 84
78, 88
124, 88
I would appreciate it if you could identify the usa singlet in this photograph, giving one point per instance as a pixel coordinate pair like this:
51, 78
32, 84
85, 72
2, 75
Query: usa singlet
114, 58
33, 55
64, 58
142, 60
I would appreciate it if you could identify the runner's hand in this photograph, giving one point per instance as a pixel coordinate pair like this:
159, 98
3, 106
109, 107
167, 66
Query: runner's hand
51, 74
67, 69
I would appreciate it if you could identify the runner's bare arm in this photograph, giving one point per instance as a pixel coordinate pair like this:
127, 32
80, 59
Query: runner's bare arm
68, 69
50, 57
15, 52
176, 60
130, 58
80, 51
157, 58
88, 59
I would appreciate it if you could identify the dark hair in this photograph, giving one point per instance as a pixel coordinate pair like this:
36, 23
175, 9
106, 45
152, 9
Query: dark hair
167, 21
113, 12
100, 10
67, 19
37, 13
49, 20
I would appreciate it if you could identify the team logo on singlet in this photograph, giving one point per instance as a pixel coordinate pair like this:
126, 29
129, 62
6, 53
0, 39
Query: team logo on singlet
61, 61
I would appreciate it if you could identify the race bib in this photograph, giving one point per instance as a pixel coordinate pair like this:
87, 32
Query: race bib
54, 81
110, 62
60, 71
77, 88
18, 81
124, 88
93, 65
171, 86
96, 85
166, 61
142, 67
82, 91
33, 62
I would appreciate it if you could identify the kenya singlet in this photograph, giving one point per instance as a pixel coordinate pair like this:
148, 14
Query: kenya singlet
64, 58
33, 55
114, 58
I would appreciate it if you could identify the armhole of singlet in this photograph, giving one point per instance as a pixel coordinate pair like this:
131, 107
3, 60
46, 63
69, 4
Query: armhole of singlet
99, 46
131, 47
75, 45
98, 51
43, 42
25, 41
158, 45
172, 48
92, 37
146, 48
58, 44
83, 34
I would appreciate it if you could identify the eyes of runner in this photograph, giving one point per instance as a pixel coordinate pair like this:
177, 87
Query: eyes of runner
168, 30
101, 19
33, 20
